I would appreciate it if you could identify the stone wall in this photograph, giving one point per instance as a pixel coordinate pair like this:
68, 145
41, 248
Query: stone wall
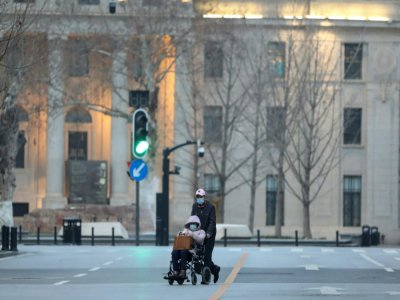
46, 219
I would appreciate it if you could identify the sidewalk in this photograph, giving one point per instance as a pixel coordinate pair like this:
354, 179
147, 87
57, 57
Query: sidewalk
4, 254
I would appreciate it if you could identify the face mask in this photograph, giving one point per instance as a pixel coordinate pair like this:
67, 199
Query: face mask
193, 227
200, 201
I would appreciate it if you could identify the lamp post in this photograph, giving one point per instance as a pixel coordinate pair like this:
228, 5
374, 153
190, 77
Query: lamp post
165, 186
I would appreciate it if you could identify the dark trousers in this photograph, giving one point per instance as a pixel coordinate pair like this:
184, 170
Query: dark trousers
209, 247
184, 255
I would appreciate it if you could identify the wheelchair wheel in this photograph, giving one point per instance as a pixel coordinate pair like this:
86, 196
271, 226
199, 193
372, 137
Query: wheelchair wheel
206, 275
180, 281
193, 278
170, 281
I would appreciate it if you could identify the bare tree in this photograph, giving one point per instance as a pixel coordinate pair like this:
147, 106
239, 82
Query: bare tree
13, 25
311, 137
225, 91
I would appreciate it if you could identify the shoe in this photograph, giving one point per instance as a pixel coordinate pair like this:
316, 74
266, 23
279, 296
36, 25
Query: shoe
216, 274
182, 274
203, 282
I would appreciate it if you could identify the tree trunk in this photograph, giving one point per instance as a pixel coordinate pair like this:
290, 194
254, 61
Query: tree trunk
306, 221
279, 196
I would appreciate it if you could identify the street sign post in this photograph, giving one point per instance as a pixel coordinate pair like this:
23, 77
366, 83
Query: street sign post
138, 171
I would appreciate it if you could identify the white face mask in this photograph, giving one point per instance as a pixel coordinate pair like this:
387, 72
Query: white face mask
200, 201
193, 227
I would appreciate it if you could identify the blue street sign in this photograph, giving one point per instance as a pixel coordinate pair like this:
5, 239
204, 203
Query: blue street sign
138, 170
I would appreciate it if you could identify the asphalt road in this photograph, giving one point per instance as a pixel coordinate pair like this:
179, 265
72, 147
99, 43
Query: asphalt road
126, 272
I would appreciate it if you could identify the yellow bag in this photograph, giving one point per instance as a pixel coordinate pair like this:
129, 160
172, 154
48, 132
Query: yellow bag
183, 242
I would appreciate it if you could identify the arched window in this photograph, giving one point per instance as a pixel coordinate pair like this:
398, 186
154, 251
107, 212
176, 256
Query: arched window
78, 139
78, 115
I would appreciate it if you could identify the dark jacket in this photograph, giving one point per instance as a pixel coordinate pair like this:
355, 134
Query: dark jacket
206, 215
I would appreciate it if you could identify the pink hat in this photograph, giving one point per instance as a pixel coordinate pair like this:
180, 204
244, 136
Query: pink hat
200, 192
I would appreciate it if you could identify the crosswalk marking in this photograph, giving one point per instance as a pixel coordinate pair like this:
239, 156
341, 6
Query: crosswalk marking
389, 270
80, 275
94, 269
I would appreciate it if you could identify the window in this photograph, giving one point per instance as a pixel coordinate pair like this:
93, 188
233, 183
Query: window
352, 201
79, 58
271, 200
89, 2
137, 65
151, 2
212, 124
22, 117
276, 121
212, 183
20, 209
213, 60
78, 140
353, 54
352, 126
20, 158
77, 145
276, 59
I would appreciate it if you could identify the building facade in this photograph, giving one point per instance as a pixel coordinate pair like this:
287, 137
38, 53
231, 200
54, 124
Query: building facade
90, 69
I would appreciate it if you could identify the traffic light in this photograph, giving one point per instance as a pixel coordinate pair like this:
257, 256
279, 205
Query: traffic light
140, 144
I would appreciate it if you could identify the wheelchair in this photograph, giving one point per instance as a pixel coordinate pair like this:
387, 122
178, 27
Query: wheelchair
194, 266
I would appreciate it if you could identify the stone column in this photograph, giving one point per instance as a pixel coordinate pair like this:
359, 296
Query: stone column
119, 133
55, 125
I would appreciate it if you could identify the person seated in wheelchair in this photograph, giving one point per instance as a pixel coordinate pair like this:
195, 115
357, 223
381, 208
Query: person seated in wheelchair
180, 258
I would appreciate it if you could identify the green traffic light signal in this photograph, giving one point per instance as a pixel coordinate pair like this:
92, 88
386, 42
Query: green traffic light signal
140, 144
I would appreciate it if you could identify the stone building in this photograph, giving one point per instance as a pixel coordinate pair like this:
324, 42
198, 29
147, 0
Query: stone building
91, 70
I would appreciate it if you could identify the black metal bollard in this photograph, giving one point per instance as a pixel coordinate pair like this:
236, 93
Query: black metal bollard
296, 234
13, 244
337, 238
20, 234
5, 237
38, 236
92, 236
55, 235
225, 237
258, 238
113, 238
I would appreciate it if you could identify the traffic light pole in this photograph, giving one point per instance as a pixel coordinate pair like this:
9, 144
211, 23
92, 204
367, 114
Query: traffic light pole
165, 188
137, 212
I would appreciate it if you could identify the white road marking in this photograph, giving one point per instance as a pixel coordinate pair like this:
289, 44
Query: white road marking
107, 263
327, 250
397, 258
312, 268
296, 249
235, 249
390, 251
358, 250
327, 290
393, 293
5, 258
389, 270
61, 282
371, 260
80, 275
94, 269
265, 249
119, 258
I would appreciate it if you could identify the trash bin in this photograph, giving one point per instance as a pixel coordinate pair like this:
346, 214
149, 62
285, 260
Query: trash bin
375, 236
366, 236
72, 231
5, 238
